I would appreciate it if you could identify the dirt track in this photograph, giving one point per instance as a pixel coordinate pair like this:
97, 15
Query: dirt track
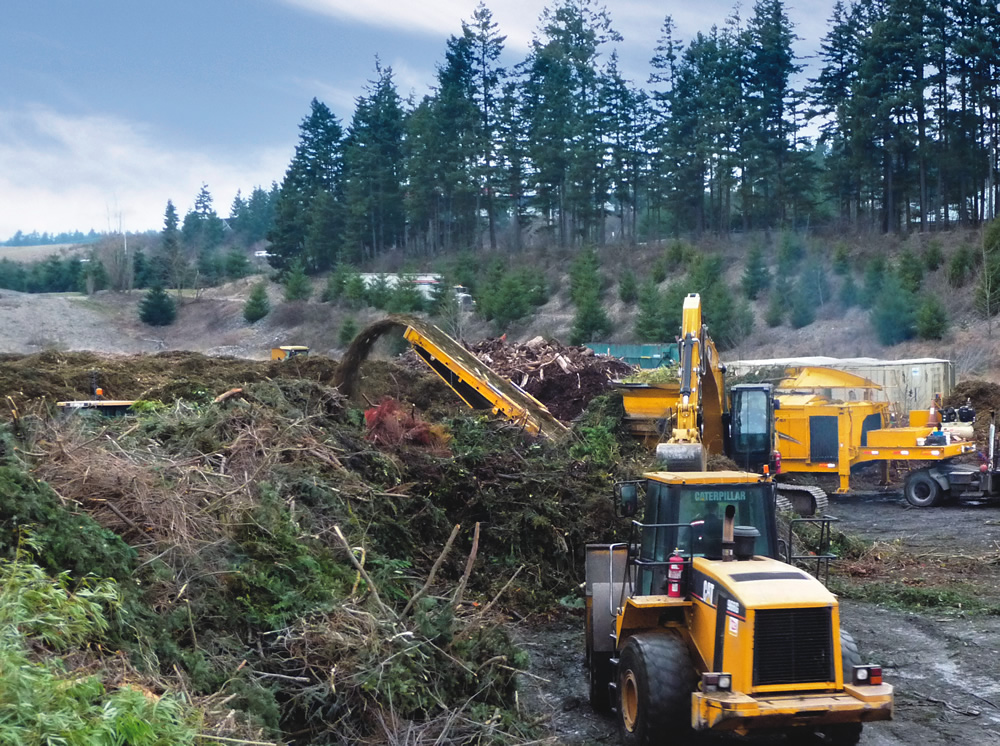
945, 666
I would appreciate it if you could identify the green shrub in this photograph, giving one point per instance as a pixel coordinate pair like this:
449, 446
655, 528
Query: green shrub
157, 308
776, 306
677, 256
405, 297
933, 256
875, 274
257, 305
756, 277
803, 305
649, 320
47, 705
297, 285
790, 251
628, 287
931, 319
348, 331
591, 322
960, 266
911, 271
584, 277
841, 259
849, 292
893, 313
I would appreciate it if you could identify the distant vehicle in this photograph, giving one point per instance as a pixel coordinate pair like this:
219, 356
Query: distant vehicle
262, 254
285, 352
424, 283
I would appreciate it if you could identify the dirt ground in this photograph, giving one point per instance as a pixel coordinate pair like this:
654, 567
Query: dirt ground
944, 665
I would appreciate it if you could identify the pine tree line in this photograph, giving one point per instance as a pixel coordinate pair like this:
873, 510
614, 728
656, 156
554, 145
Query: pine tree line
906, 98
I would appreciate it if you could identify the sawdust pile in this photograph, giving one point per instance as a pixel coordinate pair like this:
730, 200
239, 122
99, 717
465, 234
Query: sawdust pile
563, 378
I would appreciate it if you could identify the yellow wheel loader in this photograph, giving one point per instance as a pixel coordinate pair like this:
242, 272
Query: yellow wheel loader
697, 624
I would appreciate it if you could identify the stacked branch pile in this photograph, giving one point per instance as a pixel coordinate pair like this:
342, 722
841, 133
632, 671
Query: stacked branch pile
564, 378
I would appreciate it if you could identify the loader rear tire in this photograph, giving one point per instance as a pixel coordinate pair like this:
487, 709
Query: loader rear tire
655, 682
922, 490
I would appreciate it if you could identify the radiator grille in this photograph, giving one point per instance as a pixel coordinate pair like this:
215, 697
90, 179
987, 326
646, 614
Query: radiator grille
793, 646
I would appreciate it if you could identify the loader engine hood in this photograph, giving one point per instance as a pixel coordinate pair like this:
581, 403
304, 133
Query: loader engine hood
773, 626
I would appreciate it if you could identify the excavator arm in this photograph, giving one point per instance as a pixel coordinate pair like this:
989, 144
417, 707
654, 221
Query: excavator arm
698, 428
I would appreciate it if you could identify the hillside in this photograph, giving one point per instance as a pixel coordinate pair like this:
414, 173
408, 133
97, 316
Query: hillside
210, 321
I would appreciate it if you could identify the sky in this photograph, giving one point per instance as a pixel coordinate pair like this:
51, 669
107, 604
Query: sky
108, 108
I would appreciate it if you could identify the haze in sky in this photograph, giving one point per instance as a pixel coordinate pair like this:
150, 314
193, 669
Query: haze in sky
109, 108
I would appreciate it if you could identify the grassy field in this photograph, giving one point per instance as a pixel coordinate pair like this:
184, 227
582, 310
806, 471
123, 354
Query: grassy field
37, 253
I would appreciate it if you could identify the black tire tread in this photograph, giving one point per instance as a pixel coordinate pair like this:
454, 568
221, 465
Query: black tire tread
915, 478
663, 661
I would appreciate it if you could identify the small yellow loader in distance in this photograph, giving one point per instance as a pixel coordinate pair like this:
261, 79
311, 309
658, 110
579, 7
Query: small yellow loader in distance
696, 624
286, 352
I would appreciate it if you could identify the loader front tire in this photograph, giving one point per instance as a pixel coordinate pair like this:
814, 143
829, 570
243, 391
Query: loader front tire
922, 490
655, 682
845, 734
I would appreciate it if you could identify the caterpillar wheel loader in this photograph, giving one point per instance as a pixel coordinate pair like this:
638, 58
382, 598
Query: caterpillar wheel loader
697, 624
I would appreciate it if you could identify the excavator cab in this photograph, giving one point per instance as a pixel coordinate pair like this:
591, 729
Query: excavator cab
751, 425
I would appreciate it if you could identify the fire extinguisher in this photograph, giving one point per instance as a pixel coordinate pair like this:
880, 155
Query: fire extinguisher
777, 462
675, 574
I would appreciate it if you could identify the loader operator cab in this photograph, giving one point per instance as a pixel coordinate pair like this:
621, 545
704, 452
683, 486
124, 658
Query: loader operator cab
685, 513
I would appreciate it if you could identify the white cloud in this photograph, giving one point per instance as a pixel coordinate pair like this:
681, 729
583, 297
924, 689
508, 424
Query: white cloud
60, 172
516, 18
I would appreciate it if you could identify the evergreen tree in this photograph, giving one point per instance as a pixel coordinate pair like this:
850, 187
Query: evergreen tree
336, 283
875, 274
173, 259
777, 304
257, 306
960, 266
325, 233
297, 286
931, 320
803, 305
584, 277
591, 322
628, 287
911, 271
933, 257
756, 277
347, 332
236, 264
893, 313
649, 320
157, 308
373, 163
203, 229
841, 259
316, 167
815, 282
405, 297
849, 292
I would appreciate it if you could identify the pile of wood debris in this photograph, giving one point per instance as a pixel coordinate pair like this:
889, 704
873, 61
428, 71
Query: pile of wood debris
563, 378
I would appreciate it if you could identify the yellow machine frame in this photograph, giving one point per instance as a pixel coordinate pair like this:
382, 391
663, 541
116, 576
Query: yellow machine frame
288, 351
476, 384
720, 606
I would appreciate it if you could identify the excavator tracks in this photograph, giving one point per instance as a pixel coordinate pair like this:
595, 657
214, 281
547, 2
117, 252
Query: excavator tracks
806, 501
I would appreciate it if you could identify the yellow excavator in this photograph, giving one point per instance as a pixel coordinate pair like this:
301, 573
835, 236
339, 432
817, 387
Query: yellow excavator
699, 622
698, 424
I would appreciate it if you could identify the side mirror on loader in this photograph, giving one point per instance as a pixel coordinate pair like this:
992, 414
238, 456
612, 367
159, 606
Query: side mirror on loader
627, 498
